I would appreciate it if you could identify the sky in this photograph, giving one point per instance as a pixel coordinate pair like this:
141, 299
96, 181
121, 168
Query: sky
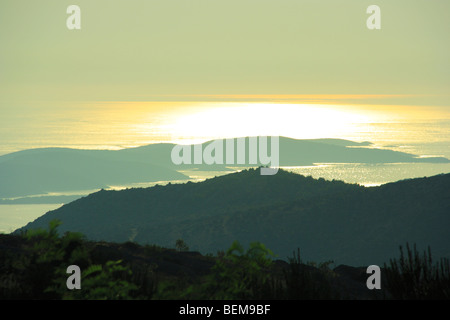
141, 71
151, 50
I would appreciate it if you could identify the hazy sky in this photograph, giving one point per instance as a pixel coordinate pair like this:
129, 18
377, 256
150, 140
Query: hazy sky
157, 49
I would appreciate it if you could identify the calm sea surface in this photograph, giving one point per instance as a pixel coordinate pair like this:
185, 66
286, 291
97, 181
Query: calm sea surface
108, 127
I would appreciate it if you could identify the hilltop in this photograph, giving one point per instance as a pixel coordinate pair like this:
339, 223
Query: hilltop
346, 223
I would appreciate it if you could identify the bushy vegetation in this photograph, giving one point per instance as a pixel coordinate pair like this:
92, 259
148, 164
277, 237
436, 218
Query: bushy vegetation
306, 282
34, 266
237, 274
38, 270
416, 276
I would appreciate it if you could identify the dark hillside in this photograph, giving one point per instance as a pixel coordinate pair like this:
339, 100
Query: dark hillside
347, 223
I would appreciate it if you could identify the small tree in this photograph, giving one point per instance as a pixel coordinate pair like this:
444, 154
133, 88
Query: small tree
181, 245
48, 256
240, 274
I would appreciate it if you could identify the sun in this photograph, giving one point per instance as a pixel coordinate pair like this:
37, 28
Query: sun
302, 121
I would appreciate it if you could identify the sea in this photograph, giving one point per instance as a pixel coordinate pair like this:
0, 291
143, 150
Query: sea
93, 130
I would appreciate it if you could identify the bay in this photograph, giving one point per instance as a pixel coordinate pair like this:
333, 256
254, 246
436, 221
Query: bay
15, 216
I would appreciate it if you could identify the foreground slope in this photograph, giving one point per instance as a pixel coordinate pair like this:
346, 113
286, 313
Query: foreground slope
347, 223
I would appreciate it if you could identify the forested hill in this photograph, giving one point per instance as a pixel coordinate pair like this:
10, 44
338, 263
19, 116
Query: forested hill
327, 220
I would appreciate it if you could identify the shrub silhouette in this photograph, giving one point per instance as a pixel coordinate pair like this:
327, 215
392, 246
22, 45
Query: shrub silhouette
305, 282
107, 282
48, 257
416, 277
238, 274
38, 271
34, 265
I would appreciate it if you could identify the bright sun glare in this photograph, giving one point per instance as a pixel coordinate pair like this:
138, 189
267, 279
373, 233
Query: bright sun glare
225, 120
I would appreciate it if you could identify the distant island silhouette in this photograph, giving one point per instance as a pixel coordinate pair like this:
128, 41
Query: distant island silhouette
47, 170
